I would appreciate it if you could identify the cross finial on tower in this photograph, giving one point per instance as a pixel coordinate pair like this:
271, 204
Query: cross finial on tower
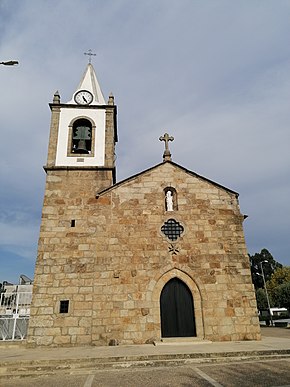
166, 138
90, 54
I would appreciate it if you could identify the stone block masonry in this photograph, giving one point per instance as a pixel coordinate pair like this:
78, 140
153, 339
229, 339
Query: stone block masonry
114, 262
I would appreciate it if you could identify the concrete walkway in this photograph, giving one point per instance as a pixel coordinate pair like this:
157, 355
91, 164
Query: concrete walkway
19, 361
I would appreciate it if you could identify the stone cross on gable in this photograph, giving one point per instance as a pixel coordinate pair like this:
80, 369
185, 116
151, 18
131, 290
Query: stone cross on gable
166, 138
90, 54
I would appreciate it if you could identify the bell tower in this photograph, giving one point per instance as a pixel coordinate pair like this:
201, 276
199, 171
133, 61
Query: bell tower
83, 131
80, 162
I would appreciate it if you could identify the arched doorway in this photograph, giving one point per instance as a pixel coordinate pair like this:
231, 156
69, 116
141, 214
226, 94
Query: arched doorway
177, 310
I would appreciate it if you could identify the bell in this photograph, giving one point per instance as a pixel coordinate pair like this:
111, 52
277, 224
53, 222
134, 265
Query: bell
82, 147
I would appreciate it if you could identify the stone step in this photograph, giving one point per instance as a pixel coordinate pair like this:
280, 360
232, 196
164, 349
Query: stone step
27, 368
181, 341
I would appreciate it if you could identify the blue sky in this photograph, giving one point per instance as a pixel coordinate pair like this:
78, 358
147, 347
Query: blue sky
214, 74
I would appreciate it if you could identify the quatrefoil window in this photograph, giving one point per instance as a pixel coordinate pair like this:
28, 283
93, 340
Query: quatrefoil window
172, 229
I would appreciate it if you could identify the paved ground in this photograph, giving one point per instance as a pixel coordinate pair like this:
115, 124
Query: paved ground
253, 374
272, 339
195, 364
275, 332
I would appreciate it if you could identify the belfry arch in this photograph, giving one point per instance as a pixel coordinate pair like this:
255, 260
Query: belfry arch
181, 278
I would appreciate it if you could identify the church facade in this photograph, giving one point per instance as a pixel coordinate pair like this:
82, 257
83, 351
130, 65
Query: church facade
158, 256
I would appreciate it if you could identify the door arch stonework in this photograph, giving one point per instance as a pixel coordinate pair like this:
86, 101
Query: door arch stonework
191, 284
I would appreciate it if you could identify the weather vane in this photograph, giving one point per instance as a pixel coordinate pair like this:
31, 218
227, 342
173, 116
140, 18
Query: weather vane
90, 54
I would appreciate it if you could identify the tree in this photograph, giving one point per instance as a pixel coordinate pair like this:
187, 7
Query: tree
278, 286
281, 295
261, 299
269, 267
279, 277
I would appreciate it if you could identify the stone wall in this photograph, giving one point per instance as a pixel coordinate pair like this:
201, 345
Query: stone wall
114, 263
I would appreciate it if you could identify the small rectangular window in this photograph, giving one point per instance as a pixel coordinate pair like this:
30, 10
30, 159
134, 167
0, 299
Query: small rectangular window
73, 223
63, 306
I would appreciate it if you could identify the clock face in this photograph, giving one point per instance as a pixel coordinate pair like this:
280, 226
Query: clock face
83, 97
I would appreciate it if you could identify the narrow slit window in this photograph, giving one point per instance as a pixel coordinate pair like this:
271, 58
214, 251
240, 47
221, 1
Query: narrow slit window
73, 223
63, 306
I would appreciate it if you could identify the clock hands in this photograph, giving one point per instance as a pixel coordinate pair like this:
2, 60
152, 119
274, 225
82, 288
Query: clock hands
83, 97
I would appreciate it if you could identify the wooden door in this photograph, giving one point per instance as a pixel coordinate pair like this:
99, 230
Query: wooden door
177, 310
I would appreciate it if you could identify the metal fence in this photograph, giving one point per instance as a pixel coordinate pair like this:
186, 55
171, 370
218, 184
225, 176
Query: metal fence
14, 315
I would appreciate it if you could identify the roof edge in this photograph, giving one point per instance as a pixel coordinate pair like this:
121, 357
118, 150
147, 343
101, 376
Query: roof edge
102, 192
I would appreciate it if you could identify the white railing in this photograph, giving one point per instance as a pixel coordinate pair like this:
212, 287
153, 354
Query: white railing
14, 315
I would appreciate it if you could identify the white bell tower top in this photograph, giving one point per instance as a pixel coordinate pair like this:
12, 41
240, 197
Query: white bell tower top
90, 83
81, 137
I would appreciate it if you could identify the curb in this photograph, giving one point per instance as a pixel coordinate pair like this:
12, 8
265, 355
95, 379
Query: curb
25, 368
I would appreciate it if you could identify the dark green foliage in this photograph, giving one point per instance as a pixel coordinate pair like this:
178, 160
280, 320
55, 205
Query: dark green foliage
261, 299
281, 295
276, 277
268, 267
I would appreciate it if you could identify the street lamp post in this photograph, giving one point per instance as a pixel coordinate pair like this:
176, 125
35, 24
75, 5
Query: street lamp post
10, 63
265, 287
